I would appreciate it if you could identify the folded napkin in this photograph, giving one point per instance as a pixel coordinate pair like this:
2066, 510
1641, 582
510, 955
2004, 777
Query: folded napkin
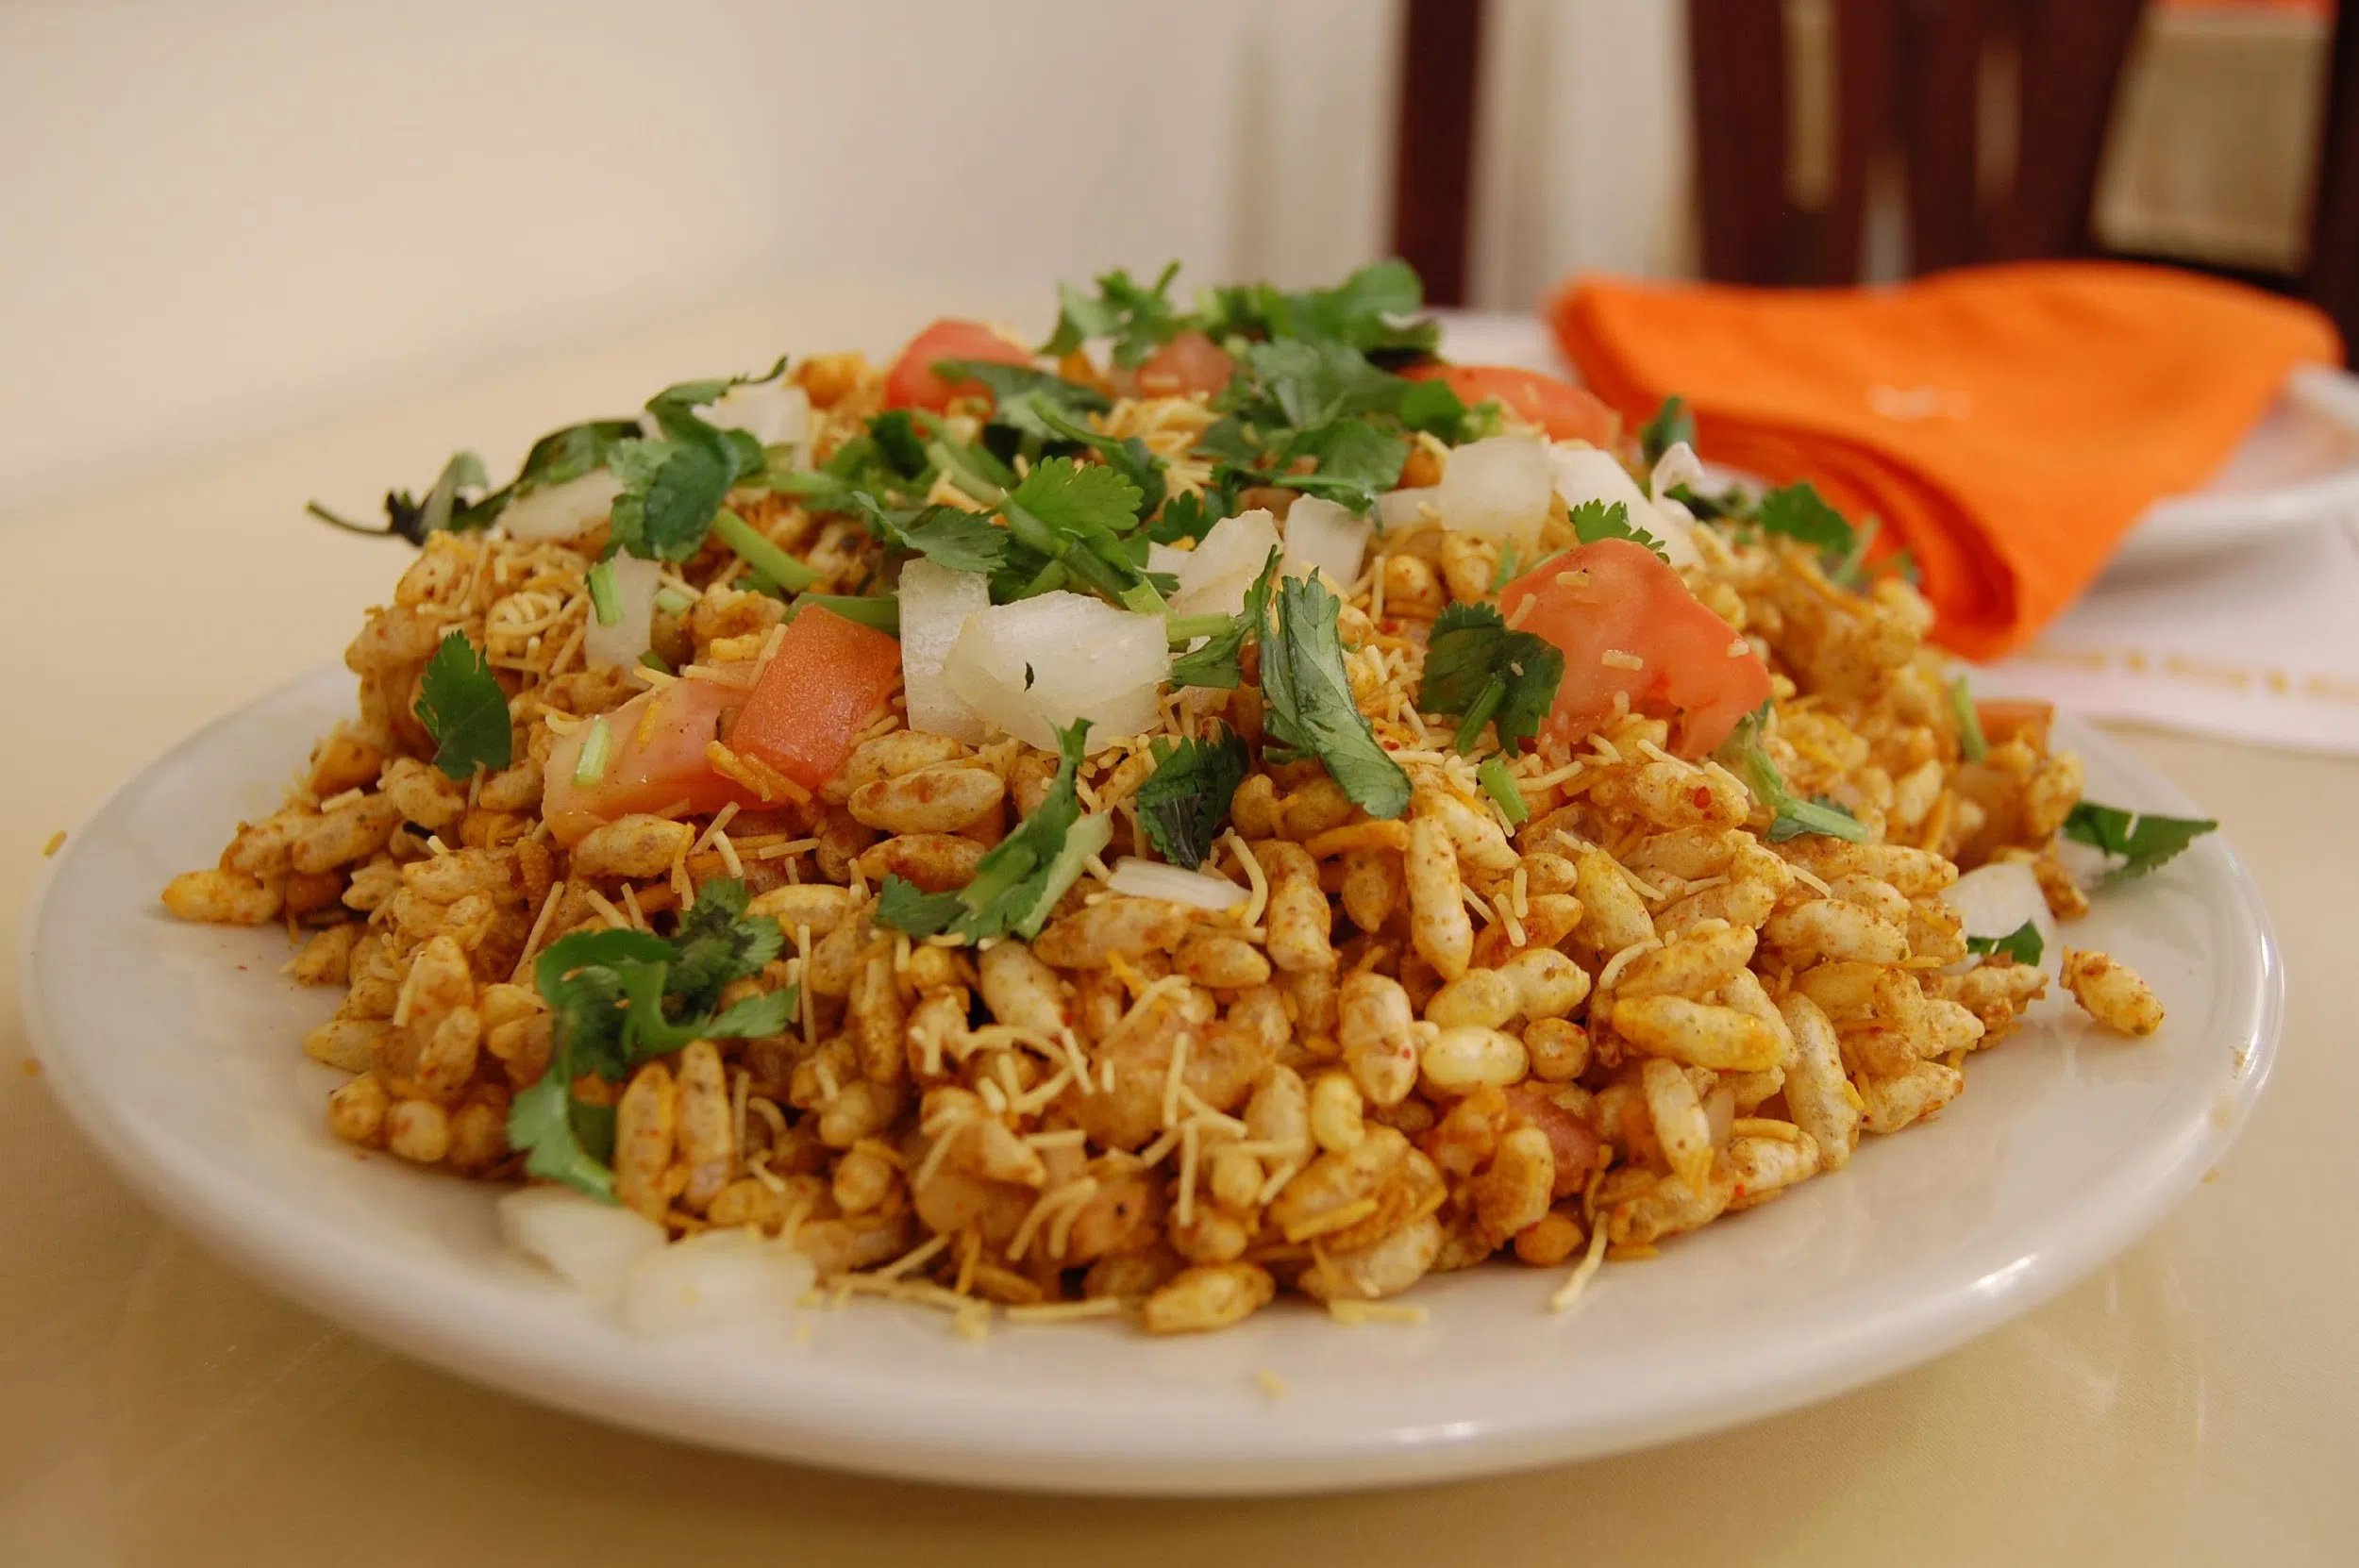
2006, 423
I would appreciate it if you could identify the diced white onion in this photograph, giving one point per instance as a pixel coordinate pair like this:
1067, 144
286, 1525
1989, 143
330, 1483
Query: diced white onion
936, 603
562, 511
1497, 489
1995, 900
713, 1281
1164, 557
1086, 659
618, 646
1679, 465
1321, 534
1397, 510
1586, 474
1153, 879
1216, 576
776, 413
589, 1242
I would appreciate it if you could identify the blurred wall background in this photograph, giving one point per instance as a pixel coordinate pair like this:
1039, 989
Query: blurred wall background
238, 218
224, 219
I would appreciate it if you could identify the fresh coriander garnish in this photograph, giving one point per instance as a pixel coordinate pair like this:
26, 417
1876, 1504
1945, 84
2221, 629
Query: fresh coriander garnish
2140, 840
1791, 816
673, 484
1185, 800
458, 501
1671, 425
1020, 392
1021, 878
1374, 310
1310, 709
1077, 516
1139, 318
618, 998
949, 537
1127, 457
1596, 520
464, 709
1972, 746
2023, 945
1219, 662
1475, 667
1500, 786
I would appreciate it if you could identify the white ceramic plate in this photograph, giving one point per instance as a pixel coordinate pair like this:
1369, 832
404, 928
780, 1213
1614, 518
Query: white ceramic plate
2298, 469
177, 1048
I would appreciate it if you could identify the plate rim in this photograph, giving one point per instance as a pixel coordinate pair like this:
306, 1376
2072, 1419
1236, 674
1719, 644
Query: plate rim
309, 1259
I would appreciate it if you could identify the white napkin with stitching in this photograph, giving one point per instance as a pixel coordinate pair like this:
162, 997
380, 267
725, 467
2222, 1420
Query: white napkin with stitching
2260, 644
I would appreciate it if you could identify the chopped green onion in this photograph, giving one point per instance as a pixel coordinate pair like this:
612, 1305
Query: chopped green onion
673, 601
760, 554
1500, 786
604, 600
1506, 573
591, 765
654, 660
1971, 743
1184, 630
881, 611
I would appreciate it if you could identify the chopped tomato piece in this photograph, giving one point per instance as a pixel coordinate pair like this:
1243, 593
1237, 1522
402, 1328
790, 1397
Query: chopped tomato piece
655, 759
1572, 1141
2005, 719
911, 382
1629, 626
1566, 412
1189, 365
824, 682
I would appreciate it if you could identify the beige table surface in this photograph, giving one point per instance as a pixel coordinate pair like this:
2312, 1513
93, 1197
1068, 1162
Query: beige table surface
2197, 1402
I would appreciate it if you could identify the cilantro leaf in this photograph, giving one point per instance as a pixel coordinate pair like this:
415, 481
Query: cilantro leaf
1076, 515
717, 944
1791, 816
1128, 456
1597, 520
621, 997
1798, 512
905, 908
2023, 945
1476, 667
951, 537
1300, 385
1671, 425
1373, 310
2141, 841
671, 491
1019, 392
549, 1125
1309, 706
1189, 516
1023, 875
1435, 407
1355, 461
672, 486
1186, 799
464, 709
1219, 662
1139, 318
899, 443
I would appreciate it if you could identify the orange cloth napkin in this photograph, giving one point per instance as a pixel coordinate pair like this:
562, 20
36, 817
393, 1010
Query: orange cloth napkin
2007, 424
